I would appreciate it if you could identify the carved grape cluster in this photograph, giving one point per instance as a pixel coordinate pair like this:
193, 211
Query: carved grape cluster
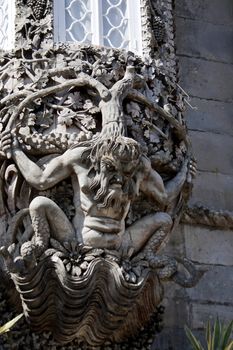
38, 7
158, 27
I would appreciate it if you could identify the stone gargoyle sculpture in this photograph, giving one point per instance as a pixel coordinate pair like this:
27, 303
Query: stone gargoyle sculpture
95, 170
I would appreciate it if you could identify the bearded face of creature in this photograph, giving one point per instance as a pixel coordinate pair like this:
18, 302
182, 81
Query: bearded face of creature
114, 181
115, 162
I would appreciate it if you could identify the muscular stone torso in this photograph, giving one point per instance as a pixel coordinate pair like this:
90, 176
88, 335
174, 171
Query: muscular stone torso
103, 219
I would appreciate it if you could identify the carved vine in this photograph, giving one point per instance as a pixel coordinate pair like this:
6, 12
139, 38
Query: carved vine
98, 100
200, 215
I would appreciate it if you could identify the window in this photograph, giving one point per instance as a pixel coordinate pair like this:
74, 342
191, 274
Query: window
7, 30
112, 23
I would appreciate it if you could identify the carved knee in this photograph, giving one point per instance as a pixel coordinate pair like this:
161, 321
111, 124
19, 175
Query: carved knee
39, 203
164, 220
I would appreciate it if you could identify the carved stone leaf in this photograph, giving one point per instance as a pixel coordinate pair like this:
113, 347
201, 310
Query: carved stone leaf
133, 109
74, 99
57, 245
88, 121
154, 138
44, 120
23, 19
45, 25
14, 84
66, 117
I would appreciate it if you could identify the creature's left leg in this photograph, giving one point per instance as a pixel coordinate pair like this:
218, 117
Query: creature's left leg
148, 233
48, 220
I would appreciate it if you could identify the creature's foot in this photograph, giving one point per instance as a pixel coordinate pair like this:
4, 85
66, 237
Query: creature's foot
12, 265
28, 254
192, 278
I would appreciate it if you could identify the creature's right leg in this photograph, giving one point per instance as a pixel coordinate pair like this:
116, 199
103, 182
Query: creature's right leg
149, 233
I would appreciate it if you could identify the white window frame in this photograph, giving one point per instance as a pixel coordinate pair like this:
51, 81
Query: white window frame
133, 14
11, 25
10, 32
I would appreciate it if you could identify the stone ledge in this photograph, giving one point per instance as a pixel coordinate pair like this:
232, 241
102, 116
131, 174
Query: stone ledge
199, 215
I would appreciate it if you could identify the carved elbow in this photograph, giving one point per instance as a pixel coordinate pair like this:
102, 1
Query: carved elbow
40, 184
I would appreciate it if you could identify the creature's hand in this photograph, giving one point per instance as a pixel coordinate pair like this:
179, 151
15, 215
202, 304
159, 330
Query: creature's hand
192, 170
8, 142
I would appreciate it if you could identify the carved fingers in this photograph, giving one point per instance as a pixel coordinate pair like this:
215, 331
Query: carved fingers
8, 142
192, 170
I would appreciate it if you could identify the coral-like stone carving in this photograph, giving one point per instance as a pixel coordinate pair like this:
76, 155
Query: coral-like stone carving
96, 167
96, 173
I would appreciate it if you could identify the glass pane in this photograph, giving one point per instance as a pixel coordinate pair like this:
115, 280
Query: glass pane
78, 20
115, 23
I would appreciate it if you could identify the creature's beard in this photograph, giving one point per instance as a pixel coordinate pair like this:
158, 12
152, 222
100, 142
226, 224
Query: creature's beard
113, 199
100, 181
105, 196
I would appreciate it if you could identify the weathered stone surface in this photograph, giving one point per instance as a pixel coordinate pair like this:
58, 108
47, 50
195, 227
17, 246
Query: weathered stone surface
208, 246
173, 338
205, 79
176, 243
215, 286
176, 312
214, 11
201, 313
213, 151
213, 190
210, 116
202, 39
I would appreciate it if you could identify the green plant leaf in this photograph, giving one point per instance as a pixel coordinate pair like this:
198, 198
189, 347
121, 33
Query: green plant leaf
229, 346
193, 340
217, 334
208, 336
6, 327
226, 335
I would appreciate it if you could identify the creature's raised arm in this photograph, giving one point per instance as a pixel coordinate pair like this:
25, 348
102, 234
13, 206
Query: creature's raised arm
174, 186
56, 170
152, 184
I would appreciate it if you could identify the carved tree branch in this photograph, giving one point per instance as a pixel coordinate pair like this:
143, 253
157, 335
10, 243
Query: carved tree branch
139, 97
113, 121
83, 80
199, 215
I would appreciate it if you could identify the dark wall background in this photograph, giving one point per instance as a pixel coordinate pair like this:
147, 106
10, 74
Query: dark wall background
204, 45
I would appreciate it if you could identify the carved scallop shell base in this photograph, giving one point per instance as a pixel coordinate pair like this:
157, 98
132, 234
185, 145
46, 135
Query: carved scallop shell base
96, 307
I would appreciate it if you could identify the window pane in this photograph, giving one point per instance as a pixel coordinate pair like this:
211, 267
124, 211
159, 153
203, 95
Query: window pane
115, 23
78, 20
112, 23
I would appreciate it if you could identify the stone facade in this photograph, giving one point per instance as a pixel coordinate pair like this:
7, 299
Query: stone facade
204, 47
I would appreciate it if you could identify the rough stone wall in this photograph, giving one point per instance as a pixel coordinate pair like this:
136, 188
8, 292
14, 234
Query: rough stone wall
204, 37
